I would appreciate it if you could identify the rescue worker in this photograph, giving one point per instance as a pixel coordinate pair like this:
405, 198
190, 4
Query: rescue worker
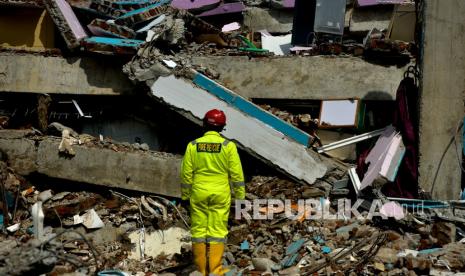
210, 163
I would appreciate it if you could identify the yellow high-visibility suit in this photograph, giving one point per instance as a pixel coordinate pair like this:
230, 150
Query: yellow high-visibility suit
210, 163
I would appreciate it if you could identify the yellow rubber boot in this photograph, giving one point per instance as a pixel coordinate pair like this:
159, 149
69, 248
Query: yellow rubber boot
200, 257
215, 259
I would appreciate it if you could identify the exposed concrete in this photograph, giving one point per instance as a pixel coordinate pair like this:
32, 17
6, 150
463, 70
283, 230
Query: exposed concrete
316, 77
286, 77
21, 153
367, 18
278, 21
83, 75
142, 171
443, 86
254, 134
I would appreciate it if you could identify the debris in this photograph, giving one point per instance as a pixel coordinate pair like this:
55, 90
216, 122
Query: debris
381, 155
13, 228
230, 27
66, 142
91, 220
279, 45
45, 195
38, 220
444, 232
392, 210
171, 64
107, 45
245, 245
166, 242
349, 141
263, 264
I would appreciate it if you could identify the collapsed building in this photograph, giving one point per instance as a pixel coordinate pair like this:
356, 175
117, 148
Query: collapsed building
99, 99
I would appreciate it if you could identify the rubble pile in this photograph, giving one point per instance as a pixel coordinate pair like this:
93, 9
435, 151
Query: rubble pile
252, 28
80, 230
90, 232
350, 246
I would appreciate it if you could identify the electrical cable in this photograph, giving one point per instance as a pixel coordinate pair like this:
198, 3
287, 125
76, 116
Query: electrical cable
459, 127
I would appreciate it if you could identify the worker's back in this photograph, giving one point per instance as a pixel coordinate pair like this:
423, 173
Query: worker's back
210, 158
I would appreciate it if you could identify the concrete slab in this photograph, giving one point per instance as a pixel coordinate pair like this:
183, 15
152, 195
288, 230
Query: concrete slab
250, 133
135, 171
317, 77
150, 172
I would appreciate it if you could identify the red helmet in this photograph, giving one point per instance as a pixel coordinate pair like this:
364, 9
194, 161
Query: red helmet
215, 117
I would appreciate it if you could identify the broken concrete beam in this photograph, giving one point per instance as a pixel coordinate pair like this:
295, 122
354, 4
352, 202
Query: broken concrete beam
107, 45
66, 21
314, 77
255, 131
143, 14
141, 171
100, 27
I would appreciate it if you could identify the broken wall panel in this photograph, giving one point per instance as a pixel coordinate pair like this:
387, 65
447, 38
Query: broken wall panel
66, 21
251, 133
107, 45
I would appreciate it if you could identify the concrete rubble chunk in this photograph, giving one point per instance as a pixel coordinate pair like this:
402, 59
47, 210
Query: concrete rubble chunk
91, 220
444, 232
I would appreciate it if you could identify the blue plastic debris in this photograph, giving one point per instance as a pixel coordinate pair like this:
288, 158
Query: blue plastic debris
295, 247
347, 228
245, 245
429, 251
114, 41
319, 239
10, 200
112, 273
326, 250
292, 254
289, 260
142, 10
1, 221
